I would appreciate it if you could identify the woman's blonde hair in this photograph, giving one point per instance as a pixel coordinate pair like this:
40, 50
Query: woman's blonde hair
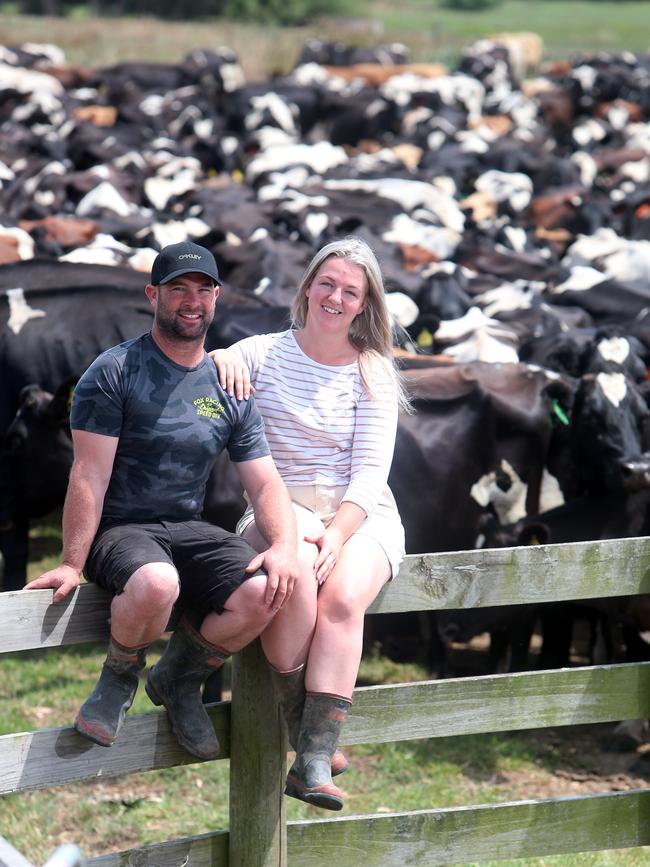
371, 331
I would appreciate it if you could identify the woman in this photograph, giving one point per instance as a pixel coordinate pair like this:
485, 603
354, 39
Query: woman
329, 395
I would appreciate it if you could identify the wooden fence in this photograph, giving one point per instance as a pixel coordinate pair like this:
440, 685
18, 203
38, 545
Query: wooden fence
260, 836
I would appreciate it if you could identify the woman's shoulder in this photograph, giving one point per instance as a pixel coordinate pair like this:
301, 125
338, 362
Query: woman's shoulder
260, 344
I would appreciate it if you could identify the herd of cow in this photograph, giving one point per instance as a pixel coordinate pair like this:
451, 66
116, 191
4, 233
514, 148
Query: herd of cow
510, 214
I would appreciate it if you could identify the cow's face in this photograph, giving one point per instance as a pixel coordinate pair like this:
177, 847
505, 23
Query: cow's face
337, 294
184, 307
608, 416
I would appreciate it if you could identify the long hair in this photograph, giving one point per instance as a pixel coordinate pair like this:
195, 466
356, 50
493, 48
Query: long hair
371, 331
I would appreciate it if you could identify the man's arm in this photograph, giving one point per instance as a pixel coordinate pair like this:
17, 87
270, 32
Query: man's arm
91, 471
276, 521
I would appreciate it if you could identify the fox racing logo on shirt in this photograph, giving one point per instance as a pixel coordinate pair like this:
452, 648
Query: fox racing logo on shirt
208, 407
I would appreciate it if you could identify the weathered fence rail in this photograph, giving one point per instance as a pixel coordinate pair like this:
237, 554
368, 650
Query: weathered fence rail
260, 836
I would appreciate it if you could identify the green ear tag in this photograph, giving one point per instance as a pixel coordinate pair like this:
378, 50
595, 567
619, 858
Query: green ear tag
559, 412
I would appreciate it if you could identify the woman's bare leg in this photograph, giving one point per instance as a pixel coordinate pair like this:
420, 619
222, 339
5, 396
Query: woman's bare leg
355, 581
287, 638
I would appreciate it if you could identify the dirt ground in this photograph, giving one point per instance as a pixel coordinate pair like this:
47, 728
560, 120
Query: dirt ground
584, 765
575, 760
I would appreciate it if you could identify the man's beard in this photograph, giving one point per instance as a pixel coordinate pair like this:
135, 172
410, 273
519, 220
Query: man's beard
173, 327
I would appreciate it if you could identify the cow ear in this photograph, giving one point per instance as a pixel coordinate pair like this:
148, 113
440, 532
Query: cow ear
59, 408
26, 391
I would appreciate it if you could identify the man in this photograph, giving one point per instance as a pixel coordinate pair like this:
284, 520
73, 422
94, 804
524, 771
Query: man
148, 420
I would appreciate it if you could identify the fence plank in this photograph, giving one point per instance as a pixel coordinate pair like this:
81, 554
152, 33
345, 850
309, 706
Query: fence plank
28, 620
487, 832
457, 579
204, 850
257, 816
52, 757
380, 714
427, 838
506, 576
10, 857
500, 702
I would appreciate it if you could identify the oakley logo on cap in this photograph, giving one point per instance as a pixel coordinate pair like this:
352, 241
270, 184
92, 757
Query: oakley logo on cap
183, 258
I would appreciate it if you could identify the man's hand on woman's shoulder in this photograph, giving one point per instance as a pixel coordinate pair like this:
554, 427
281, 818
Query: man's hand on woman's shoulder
234, 376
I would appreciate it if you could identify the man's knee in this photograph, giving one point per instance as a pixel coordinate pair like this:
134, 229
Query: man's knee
153, 587
248, 600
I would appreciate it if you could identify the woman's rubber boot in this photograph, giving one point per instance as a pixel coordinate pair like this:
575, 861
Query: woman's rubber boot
175, 681
290, 686
102, 714
310, 778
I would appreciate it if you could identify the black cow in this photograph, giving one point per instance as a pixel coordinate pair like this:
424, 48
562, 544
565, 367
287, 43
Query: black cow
469, 420
488, 437
36, 457
55, 318
593, 516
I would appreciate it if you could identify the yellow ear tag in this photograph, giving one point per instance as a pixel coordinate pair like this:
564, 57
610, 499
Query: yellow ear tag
425, 339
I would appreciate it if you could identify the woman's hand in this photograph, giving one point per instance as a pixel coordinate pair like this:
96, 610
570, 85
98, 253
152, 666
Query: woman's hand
234, 376
329, 550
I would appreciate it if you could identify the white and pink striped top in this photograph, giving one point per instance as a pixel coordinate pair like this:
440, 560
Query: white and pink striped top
321, 424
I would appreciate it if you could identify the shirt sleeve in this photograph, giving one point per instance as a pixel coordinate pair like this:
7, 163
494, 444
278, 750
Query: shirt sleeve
373, 444
248, 440
97, 402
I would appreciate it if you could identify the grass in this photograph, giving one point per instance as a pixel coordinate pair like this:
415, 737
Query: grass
432, 33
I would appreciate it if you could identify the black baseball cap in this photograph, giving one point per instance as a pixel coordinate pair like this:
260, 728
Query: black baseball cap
183, 258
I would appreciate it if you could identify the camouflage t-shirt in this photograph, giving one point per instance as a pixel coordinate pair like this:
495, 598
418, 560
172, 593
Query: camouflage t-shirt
172, 422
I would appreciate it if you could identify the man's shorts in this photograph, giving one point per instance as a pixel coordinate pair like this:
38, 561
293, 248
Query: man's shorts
211, 562
316, 505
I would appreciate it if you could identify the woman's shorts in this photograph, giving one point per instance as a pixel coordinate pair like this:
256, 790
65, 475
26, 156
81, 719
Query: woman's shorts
211, 562
316, 505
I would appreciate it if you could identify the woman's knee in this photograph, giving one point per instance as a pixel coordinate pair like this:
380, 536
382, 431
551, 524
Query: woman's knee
340, 605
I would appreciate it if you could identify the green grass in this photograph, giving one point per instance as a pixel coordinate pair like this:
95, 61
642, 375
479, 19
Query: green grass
432, 33
566, 27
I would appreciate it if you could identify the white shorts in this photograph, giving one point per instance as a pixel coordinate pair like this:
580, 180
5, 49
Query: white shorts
316, 505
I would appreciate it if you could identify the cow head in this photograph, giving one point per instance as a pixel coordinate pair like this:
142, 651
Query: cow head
607, 433
40, 414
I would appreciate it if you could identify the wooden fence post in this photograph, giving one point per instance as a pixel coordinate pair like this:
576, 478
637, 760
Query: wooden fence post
258, 749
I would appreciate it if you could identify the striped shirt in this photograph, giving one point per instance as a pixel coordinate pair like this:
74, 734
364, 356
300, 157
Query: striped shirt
321, 425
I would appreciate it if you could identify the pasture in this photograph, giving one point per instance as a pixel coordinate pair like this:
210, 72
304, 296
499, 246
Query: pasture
430, 32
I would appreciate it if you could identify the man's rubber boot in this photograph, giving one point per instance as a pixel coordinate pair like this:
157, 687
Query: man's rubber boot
175, 682
310, 778
290, 686
102, 714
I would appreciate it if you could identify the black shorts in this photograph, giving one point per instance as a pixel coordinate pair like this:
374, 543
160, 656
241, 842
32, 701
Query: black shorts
211, 562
